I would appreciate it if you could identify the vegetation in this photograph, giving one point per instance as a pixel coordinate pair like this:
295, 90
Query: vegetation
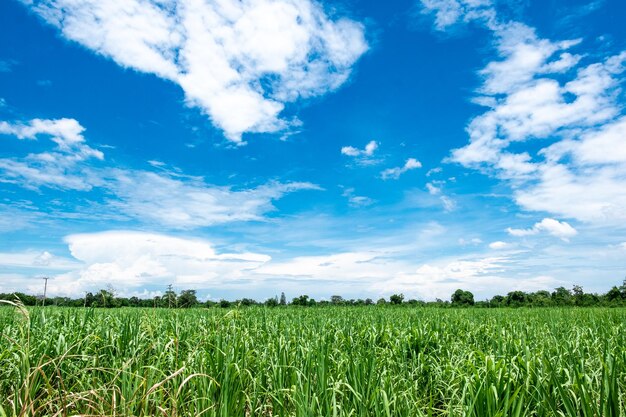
560, 297
293, 361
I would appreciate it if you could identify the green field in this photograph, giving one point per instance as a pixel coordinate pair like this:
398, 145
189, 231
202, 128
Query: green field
335, 361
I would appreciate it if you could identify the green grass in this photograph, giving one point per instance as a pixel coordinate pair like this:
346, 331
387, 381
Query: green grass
313, 362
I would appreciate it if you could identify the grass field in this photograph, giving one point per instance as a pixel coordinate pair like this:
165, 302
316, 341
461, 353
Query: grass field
336, 361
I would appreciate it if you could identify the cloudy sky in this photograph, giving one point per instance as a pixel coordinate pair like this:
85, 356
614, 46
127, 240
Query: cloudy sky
353, 147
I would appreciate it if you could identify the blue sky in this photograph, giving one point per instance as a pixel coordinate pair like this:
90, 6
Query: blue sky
359, 148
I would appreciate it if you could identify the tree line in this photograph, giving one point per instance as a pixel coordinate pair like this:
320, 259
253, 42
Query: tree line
560, 297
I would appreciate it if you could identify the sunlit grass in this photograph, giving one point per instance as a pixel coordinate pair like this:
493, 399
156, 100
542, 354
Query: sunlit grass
337, 361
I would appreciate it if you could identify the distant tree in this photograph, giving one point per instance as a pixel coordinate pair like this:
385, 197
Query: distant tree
271, 302
224, 303
369, 302
562, 296
496, 301
613, 295
246, 302
515, 299
336, 299
283, 299
381, 301
303, 300
396, 299
187, 298
541, 299
104, 298
462, 298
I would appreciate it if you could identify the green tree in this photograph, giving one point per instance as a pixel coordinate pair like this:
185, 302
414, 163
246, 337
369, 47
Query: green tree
462, 298
516, 298
303, 300
396, 299
187, 298
336, 299
562, 296
271, 302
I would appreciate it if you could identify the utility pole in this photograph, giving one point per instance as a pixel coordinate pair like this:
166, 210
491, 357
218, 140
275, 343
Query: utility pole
45, 288
169, 296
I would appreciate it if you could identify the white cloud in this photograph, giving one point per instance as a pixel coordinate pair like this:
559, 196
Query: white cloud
479, 275
562, 230
498, 245
356, 200
166, 198
394, 173
450, 12
433, 189
346, 267
538, 90
240, 62
473, 241
189, 202
129, 261
59, 168
448, 203
362, 156
42, 260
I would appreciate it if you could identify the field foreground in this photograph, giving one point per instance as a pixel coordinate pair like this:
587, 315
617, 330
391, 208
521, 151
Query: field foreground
340, 361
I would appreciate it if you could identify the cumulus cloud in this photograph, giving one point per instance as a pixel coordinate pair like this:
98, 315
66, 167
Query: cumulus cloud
395, 173
562, 230
367, 151
165, 198
239, 62
130, 260
363, 156
539, 90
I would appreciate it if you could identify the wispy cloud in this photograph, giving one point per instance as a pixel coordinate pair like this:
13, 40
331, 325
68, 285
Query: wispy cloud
395, 173
356, 200
59, 168
239, 62
7, 65
166, 198
186, 203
